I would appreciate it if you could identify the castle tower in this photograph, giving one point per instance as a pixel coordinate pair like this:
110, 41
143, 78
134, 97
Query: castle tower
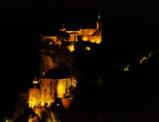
34, 95
98, 24
63, 28
35, 81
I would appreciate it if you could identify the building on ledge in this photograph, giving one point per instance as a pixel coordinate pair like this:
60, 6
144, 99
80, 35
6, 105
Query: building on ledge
56, 51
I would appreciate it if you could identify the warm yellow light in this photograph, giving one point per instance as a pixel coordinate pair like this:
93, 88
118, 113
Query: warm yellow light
88, 48
92, 39
42, 103
74, 82
143, 59
59, 43
32, 103
61, 88
53, 38
126, 68
62, 29
71, 48
88, 32
74, 32
98, 41
85, 38
35, 82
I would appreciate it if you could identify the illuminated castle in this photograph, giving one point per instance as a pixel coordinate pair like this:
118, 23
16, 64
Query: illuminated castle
57, 51
93, 35
45, 94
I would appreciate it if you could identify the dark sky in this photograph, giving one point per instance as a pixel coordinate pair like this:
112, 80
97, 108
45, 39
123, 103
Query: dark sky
130, 27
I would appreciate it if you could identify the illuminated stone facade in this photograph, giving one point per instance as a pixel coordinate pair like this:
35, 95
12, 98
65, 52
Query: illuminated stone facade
34, 97
93, 35
45, 95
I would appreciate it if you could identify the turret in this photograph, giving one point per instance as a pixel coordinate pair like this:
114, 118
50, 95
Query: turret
98, 24
35, 81
63, 28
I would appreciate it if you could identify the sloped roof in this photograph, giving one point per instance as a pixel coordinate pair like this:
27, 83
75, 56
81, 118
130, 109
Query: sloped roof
57, 73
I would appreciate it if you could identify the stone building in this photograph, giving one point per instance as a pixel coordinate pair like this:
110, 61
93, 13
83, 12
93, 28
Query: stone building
56, 51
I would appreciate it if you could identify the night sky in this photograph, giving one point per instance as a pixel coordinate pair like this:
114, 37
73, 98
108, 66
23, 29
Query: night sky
130, 31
